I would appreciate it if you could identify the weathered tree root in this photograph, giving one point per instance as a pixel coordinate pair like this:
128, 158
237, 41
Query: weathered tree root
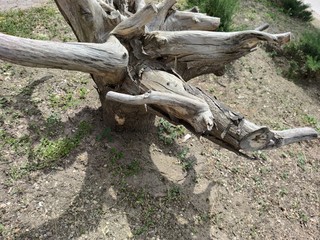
143, 54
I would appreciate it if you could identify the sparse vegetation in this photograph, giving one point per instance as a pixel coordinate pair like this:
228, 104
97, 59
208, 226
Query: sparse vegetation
51, 150
295, 8
304, 55
224, 9
38, 23
46, 153
168, 132
186, 163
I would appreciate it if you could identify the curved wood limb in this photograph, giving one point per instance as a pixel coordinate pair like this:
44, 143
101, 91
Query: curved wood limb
195, 112
101, 59
194, 53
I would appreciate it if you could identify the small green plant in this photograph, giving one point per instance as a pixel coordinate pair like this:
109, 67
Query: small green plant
148, 221
295, 8
301, 161
284, 175
132, 168
3, 101
53, 124
17, 172
313, 63
168, 132
283, 192
303, 217
187, 163
49, 151
116, 155
224, 9
83, 93
173, 193
26, 23
304, 55
2, 229
105, 134
312, 121
260, 155
63, 101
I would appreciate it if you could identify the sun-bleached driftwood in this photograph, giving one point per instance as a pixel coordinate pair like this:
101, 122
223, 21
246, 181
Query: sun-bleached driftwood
140, 57
194, 53
183, 20
136, 24
86, 57
195, 111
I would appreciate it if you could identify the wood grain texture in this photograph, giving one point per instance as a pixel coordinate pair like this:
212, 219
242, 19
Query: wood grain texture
85, 57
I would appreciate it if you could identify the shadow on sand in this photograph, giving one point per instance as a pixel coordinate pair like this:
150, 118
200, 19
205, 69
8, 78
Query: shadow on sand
151, 203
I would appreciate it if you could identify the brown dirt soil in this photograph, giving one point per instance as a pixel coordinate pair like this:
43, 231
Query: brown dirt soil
133, 186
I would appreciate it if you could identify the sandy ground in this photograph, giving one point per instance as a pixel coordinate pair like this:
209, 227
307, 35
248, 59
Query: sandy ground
21, 4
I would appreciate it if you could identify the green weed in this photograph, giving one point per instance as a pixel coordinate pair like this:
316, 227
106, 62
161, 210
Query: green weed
148, 216
105, 134
284, 175
187, 163
312, 121
49, 151
301, 161
303, 217
132, 168
224, 9
168, 132
2, 229
83, 93
116, 155
304, 55
63, 101
173, 193
260, 155
295, 8
283, 192
38, 23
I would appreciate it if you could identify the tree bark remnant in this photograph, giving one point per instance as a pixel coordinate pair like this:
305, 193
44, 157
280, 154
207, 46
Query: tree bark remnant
141, 57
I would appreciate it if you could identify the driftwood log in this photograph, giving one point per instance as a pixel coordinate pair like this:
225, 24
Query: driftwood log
141, 56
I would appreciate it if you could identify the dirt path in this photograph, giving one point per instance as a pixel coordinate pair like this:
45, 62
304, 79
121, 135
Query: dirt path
20, 4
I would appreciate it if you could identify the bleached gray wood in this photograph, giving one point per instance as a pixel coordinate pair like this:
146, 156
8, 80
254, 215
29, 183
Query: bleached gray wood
139, 4
127, 60
135, 25
87, 19
85, 57
186, 20
194, 53
195, 112
163, 10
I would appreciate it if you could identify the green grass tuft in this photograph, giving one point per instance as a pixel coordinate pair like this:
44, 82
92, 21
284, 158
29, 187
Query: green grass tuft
42, 23
168, 132
224, 9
